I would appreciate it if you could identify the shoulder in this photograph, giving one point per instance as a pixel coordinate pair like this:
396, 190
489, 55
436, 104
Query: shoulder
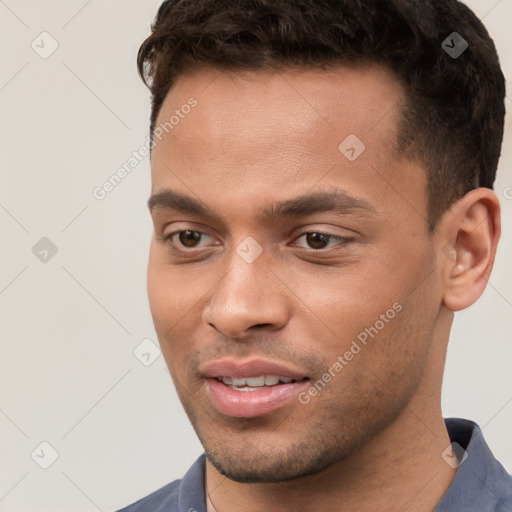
164, 499
481, 483
177, 495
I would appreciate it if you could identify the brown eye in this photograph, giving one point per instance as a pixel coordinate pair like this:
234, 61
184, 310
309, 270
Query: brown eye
317, 240
188, 238
185, 239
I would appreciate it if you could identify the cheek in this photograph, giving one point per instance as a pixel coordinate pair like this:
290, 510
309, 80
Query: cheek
159, 295
175, 302
380, 375
346, 304
171, 290
399, 353
164, 302
377, 317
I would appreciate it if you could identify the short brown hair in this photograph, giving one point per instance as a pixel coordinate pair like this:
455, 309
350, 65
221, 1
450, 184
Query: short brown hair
454, 114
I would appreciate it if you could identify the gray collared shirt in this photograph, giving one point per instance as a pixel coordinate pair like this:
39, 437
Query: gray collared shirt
481, 484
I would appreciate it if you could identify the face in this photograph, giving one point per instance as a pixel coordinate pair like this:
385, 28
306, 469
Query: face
291, 276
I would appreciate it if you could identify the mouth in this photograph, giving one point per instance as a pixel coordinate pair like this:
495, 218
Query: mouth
248, 389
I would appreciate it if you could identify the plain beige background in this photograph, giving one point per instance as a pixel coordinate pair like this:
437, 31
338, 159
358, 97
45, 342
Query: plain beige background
70, 325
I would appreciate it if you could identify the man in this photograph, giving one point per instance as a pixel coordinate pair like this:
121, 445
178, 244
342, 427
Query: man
322, 202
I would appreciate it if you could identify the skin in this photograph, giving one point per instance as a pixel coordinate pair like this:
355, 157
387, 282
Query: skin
372, 438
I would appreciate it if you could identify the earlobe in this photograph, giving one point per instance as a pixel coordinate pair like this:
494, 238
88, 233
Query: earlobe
473, 226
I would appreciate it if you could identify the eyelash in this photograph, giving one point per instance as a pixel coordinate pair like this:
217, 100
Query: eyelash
168, 239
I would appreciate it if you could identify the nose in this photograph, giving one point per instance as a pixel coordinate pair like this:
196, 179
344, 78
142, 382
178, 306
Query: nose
248, 297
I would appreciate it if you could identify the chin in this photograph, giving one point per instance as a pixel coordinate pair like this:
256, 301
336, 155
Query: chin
247, 465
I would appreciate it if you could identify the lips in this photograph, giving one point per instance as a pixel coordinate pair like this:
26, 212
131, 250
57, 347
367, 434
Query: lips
250, 368
248, 389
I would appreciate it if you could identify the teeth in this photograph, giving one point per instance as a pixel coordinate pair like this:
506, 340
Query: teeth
246, 384
256, 381
271, 380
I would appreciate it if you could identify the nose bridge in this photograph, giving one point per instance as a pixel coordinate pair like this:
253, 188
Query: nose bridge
244, 298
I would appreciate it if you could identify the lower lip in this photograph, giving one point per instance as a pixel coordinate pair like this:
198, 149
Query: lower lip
251, 404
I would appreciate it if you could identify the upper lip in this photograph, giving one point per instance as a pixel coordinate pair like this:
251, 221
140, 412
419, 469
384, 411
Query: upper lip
250, 368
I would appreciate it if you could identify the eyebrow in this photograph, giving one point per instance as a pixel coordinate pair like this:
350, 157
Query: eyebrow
329, 201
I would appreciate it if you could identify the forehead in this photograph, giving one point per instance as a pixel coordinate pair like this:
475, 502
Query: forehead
268, 134
287, 102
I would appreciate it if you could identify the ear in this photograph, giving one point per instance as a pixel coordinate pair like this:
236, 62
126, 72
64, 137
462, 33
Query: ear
469, 233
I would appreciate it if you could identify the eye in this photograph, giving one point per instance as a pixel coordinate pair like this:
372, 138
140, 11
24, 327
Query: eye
318, 241
190, 239
187, 238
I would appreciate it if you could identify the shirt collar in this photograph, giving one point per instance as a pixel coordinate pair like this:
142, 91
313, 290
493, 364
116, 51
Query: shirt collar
481, 482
